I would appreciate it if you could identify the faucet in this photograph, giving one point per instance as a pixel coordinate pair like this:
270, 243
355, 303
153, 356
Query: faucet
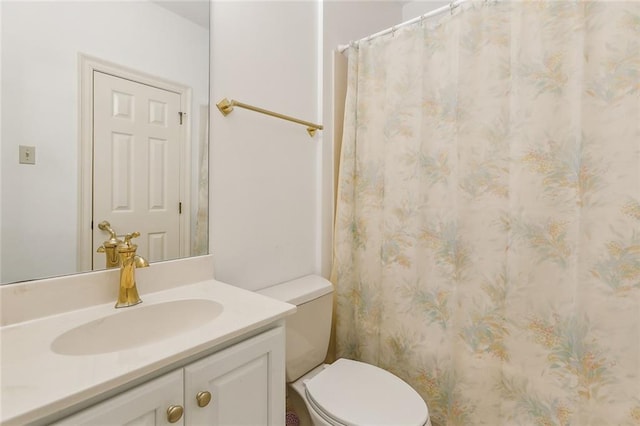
129, 261
109, 246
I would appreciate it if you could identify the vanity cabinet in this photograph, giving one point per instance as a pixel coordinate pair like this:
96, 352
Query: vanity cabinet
241, 385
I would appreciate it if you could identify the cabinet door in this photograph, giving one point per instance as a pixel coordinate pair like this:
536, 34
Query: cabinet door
144, 405
246, 383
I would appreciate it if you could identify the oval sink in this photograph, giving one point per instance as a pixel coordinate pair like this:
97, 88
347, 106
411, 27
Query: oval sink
136, 326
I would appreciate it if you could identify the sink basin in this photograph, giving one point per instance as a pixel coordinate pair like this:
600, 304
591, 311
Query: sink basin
136, 326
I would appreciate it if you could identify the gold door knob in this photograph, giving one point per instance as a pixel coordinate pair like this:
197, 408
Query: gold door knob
203, 398
174, 413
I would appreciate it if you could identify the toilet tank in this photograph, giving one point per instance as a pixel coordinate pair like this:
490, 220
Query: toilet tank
309, 328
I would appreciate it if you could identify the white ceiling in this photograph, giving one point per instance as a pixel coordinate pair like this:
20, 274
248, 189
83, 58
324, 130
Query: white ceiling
196, 11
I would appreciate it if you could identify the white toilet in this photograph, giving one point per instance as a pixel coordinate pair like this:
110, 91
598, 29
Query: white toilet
346, 392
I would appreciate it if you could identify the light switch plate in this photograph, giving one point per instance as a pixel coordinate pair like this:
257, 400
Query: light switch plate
27, 154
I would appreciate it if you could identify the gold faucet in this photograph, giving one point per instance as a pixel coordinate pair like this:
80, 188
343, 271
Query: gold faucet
109, 246
129, 261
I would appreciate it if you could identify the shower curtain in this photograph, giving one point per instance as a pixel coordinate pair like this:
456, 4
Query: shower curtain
487, 245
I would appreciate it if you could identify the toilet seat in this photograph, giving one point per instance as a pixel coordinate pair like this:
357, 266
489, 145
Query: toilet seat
354, 393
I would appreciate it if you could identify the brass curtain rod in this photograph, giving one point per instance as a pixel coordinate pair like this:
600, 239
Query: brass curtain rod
226, 106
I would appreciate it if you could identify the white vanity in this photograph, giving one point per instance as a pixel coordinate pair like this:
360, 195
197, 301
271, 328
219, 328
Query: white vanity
196, 351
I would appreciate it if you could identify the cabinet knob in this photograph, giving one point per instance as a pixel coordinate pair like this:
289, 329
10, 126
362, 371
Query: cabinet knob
174, 413
203, 398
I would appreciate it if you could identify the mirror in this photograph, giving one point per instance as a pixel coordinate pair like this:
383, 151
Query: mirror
55, 176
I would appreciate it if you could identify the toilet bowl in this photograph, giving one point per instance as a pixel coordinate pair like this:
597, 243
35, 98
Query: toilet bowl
346, 392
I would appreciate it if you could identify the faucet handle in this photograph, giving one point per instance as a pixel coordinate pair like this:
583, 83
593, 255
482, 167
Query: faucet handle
106, 226
128, 237
126, 245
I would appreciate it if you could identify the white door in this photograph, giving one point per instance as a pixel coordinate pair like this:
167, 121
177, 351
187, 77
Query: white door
145, 405
136, 165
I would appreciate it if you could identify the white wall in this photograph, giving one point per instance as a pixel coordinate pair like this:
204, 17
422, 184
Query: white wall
263, 170
40, 46
271, 185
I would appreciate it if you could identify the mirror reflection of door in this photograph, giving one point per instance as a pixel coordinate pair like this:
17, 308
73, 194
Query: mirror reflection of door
136, 162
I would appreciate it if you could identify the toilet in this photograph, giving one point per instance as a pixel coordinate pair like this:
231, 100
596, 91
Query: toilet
347, 392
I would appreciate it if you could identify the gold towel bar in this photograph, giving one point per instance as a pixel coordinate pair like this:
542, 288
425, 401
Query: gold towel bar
226, 106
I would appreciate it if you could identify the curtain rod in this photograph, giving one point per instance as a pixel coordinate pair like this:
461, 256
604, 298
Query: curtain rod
226, 106
449, 8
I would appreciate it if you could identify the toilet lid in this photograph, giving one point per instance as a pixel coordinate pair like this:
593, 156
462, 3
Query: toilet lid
354, 393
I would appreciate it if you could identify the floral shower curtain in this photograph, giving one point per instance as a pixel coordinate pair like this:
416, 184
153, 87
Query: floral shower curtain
487, 242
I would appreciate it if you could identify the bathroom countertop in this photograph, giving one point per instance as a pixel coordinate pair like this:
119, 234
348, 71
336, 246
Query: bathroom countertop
38, 383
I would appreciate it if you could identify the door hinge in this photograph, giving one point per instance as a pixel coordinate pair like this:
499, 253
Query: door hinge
180, 207
182, 114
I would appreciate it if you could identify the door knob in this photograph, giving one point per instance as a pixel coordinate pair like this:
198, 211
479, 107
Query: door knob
203, 398
174, 413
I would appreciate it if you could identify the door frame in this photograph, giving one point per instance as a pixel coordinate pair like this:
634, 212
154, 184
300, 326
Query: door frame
87, 65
